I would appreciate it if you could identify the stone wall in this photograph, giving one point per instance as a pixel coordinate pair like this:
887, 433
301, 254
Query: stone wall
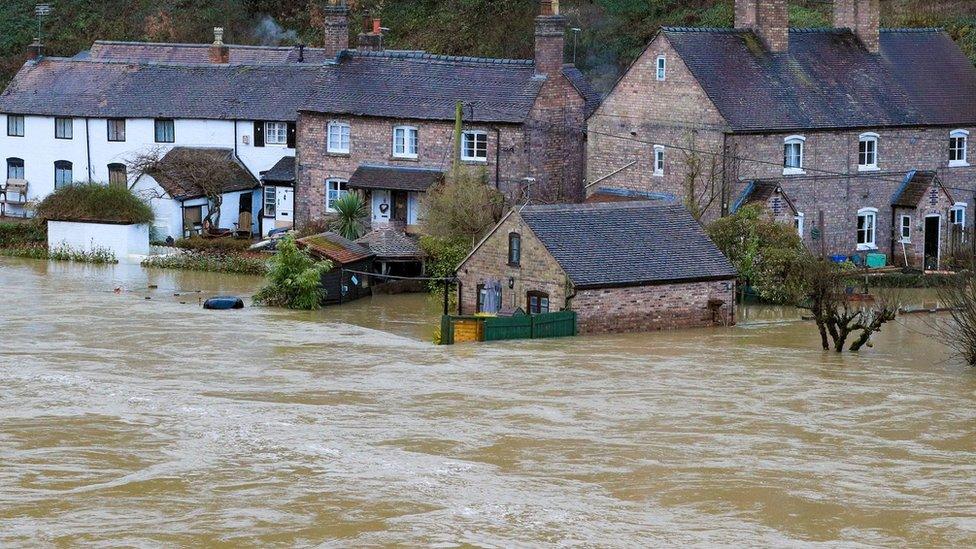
659, 307
538, 270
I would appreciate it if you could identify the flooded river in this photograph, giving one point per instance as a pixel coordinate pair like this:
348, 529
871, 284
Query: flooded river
128, 421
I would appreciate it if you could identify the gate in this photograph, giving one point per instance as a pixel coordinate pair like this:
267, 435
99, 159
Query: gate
461, 329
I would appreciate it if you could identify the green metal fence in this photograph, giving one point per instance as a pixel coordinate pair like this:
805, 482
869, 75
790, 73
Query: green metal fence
561, 324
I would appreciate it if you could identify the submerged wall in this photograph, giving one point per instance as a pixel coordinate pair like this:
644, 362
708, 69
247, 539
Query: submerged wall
122, 240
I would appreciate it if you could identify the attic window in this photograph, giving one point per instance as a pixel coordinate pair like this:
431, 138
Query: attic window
662, 68
793, 155
867, 152
958, 148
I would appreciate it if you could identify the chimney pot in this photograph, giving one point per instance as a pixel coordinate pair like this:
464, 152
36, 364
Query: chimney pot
219, 52
550, 39
35, 50
377, 26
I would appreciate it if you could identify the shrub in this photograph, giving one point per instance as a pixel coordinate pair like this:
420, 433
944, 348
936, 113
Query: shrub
212, 263
443, 257
294, 279
95, 202
20, 233
61, 253
220, 246
463, 206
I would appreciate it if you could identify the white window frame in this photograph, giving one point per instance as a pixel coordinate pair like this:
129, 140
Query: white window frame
794, 140
958, 210
659, 160
964, 136
904, 223
341, 189
272, 134
662, 68
872, 214
799, 220
468, 135
869, 137
270, 200
344, 137
406, 151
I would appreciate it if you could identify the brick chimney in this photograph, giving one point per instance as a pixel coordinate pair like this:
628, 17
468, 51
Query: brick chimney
35, 51
550, 38
863, 17
219, 52
371, 39
336, 15
769, 19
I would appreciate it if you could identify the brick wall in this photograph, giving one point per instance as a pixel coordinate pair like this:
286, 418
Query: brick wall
538, 271
650, 308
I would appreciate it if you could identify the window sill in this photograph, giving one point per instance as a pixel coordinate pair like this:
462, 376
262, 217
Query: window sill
794, 171
868, 169
905, 241
276, 145
958, 164
867, 247
405, 158
338, 154
476, 161
658, 174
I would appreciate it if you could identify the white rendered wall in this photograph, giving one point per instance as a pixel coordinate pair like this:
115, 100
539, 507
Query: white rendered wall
169, 212
122, 240
40, 149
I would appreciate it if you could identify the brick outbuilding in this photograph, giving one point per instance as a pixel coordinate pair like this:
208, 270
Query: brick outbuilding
616, 264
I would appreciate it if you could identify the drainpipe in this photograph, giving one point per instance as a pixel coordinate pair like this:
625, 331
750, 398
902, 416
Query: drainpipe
498, 153
88, 149
893, 244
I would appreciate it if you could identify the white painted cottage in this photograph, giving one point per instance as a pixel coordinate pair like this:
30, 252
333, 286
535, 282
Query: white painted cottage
85, 118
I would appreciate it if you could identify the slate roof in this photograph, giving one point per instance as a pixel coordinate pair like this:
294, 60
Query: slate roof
149, 52
392, 243
759, 192
828, 79
914, 187
423, 86
335, 248
238, 177
627, 243
282, 172
582, 85
102, 89
394, 177
613, 194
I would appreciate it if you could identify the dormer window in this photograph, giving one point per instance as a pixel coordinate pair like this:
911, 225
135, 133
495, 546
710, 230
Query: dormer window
662, 68
959, 148
867, 152
405, 142
338, 138
793, 155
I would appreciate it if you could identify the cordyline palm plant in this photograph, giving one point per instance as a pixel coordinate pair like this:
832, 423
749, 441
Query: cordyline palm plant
351, 214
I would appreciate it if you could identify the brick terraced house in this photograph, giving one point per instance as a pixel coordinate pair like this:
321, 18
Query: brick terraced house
619, 265
828, 126
383, 124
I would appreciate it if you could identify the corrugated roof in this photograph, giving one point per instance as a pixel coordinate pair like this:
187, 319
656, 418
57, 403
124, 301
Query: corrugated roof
394, 177
828, 79
627, 243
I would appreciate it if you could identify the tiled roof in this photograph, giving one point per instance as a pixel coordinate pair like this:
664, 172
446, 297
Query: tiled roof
335, 248
100, 89
392, 243
425, 86
828, 79
394, 177
282, 172
759, 192
613, 194
238, 178
148, 52
627, 243
582, 85
914, 187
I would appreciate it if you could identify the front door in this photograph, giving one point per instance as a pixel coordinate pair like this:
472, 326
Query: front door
382, 207
933, 228
284, 208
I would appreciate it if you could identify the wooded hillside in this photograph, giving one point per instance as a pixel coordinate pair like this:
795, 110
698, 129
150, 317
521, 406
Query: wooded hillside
612, 31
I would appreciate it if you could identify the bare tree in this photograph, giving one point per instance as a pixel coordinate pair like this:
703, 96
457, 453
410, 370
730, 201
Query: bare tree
191, 172
702, 177
958, 331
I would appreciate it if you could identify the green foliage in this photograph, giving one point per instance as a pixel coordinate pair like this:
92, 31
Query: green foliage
95, 202
443, 257
13, 233
462, 207
219, 246
350, 210
767, 254
61, 253
294, 279
208, 262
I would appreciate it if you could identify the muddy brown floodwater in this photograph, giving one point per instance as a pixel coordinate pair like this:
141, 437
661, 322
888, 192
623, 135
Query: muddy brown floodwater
134, 422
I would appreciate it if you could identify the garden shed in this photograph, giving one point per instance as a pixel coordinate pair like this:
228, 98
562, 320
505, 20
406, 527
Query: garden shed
344, 282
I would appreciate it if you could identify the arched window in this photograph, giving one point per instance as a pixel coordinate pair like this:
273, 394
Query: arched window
15, 168
514, 249
867, 225
959, 148
62, 174
867, 152
537, 303
117, 175
793, 155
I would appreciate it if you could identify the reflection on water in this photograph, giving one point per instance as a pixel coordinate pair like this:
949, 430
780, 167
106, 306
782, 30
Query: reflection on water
129, 421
